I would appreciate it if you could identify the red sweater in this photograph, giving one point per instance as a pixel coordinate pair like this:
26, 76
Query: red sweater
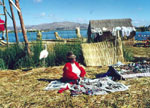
2, 28
69, 75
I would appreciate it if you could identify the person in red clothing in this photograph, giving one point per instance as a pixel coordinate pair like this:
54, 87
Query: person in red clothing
72, 70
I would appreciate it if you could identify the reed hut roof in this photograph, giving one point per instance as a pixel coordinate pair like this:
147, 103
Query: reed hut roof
110, 23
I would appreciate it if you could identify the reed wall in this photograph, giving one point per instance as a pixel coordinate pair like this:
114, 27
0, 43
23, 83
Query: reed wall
102, 53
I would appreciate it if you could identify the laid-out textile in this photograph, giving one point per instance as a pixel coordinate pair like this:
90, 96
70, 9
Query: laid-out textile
136, 75
98, 86
134, 68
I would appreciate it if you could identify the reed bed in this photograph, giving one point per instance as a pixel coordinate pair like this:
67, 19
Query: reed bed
19, 89
16, 57
139, 51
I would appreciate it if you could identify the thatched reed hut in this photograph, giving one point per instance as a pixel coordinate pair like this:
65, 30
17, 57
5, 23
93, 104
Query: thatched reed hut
104, 28
108, 34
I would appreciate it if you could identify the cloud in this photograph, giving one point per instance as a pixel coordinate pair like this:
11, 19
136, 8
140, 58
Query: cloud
43, 14
52, 17
38, 1
141, 22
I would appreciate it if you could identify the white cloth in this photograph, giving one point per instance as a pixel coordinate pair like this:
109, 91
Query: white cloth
75, 69
125, 30
56, 85
97, 30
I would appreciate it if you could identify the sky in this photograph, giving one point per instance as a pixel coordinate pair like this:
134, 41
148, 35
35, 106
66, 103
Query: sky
47, 11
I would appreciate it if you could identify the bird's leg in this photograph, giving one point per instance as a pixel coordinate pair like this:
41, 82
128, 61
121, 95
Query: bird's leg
44, 62
44, 65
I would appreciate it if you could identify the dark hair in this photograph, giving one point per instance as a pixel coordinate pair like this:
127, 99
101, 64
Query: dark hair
69, 53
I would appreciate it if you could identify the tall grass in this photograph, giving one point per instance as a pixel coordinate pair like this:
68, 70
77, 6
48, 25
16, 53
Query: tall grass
2, 64
36, 48
128, 55
62, 49
15, 56
11, 56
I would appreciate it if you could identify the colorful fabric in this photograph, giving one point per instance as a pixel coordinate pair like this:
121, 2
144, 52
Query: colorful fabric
134, 68
99, 86
2, 27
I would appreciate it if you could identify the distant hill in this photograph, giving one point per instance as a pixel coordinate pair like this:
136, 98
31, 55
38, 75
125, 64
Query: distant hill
55, 26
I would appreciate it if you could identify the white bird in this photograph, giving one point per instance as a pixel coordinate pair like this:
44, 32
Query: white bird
44, 54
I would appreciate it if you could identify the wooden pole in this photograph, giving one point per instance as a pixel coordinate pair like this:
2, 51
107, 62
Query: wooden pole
57, 36
119, 50
4, 8
115, 48
23, 27
14, 22
78, 32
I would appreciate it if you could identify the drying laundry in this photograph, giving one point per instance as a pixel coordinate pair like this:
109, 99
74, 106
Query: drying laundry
97, 30
125, 30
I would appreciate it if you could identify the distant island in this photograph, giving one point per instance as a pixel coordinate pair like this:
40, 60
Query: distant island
54, 26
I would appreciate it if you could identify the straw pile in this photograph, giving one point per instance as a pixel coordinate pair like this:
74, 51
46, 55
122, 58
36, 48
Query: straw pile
102, 53
20, 89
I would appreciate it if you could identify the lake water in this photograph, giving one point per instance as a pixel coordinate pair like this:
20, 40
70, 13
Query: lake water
67, 34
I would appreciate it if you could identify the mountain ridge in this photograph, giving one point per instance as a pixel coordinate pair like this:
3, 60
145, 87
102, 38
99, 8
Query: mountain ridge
66, 25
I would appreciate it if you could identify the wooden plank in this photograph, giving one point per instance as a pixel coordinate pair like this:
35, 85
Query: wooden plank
3, 42
15, 5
